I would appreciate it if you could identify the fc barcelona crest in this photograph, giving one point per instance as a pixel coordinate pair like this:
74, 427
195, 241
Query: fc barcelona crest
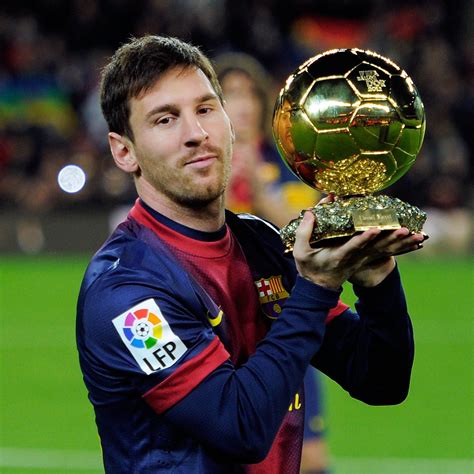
272, 295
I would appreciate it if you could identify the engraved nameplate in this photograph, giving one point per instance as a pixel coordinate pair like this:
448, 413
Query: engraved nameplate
381, 218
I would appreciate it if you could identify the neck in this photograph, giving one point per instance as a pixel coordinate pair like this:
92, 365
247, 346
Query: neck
207, 218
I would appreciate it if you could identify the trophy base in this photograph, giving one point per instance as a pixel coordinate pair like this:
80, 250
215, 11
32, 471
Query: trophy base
347, 216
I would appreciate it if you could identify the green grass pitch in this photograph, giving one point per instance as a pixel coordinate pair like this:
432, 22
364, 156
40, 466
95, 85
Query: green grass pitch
47, 424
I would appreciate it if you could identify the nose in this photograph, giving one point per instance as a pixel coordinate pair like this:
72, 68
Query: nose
195, 133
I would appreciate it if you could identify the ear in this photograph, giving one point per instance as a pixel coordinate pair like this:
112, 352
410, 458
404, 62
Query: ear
123, 152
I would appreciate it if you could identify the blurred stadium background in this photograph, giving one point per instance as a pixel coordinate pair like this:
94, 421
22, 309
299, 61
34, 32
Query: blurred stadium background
51, 52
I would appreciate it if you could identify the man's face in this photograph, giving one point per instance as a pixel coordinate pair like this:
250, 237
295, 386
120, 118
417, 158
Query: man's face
182, 138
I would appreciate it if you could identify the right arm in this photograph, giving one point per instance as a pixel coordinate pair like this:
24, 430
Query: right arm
235, 412
238, 412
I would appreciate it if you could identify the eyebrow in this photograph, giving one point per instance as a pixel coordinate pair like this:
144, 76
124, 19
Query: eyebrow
174, 108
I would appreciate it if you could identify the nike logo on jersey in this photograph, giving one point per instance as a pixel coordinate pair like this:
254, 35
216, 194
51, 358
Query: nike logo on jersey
216, 320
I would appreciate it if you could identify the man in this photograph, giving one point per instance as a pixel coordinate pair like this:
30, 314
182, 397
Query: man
171, 307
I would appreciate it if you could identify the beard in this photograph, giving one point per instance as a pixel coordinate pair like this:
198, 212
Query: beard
194, 197
195, 189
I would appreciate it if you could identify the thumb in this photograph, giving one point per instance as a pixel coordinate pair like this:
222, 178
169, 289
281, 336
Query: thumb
328, 199
303, 232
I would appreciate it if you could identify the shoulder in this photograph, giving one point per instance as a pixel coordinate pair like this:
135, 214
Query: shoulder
258, 222
261, 243
122, 251
251, 230
128, 270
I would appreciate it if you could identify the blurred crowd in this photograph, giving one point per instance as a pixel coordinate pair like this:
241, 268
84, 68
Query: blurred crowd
51, 53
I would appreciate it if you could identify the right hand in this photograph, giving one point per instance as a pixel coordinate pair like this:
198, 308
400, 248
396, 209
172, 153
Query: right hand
365, 259
330, 266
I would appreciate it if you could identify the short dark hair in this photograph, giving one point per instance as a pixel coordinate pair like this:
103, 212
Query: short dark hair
136, 66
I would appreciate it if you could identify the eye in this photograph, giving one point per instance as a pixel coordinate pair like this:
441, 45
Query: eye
205, 109
166, 120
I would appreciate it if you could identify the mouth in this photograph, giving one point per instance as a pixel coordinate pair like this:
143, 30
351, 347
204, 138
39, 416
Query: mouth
201, 161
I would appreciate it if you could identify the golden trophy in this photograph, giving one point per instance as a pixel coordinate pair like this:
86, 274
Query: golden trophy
350, 122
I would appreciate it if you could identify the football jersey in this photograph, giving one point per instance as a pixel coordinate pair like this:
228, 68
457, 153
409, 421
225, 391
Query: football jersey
218, 264
176, 383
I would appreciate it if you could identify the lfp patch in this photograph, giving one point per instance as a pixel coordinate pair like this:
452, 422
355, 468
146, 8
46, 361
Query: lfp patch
149, 337
272, 295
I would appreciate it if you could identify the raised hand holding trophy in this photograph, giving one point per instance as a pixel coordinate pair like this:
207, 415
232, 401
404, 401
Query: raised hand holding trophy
350, 122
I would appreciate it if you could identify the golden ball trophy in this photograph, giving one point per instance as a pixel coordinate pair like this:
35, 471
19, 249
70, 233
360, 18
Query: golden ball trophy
350, 122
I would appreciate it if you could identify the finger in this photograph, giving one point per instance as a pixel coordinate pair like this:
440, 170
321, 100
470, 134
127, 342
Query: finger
328, 199
387, 237
404, 236
400, 241
359, 241
409, 244
412, 248
303, 234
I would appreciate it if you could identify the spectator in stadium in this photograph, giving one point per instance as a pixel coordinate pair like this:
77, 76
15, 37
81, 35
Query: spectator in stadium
170, 309
261, 184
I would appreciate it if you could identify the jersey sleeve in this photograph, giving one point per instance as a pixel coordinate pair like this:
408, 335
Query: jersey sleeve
237, 411
136, 336
336, 311
370, 352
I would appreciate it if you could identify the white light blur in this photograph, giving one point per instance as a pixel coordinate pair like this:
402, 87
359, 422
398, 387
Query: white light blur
71, 179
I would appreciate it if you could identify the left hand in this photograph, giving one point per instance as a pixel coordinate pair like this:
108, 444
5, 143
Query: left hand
380, 259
